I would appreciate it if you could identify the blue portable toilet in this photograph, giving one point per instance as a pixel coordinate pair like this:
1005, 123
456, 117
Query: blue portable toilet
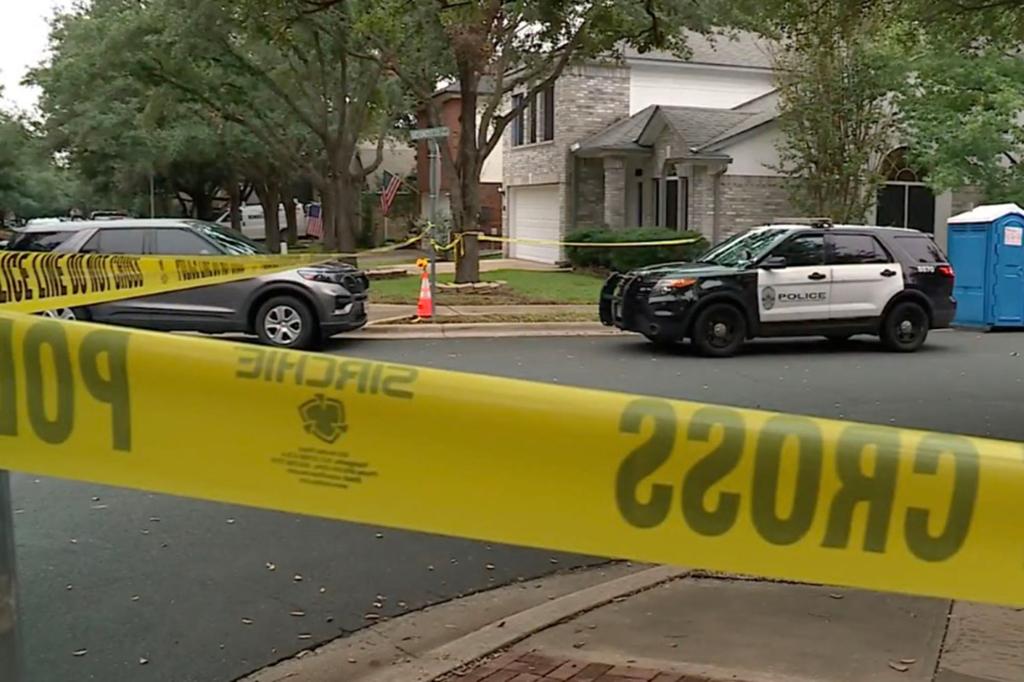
986, 250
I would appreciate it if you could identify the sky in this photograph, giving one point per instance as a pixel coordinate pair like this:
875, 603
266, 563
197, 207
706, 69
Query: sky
23, 42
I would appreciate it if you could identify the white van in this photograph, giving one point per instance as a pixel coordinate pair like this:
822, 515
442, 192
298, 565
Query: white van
253, 224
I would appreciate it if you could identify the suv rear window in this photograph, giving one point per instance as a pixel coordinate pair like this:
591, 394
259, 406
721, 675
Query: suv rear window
43, 242
921, 249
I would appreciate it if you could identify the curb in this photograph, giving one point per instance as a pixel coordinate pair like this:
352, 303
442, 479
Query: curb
499, 635
481, 330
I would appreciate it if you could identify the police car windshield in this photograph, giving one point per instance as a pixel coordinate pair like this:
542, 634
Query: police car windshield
744, 248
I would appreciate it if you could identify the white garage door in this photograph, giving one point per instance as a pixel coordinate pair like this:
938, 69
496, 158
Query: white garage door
533, 214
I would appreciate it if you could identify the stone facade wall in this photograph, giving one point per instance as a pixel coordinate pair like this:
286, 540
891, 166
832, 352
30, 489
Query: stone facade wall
589, 193
744, 201
749, 200
966, 198
588, 99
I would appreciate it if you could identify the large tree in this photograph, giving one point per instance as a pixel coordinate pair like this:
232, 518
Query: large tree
837, 68
495, 48
290, 77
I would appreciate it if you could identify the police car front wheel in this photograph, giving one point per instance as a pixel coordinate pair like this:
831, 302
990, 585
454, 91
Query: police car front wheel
905, 328
719, 330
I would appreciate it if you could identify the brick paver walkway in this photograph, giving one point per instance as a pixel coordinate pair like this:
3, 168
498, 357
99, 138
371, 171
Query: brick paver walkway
532, 667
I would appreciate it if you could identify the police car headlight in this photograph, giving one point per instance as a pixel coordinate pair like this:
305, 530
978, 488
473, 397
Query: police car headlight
668, 286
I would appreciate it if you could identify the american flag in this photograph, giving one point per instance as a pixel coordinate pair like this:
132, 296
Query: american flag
315, 222
390, 189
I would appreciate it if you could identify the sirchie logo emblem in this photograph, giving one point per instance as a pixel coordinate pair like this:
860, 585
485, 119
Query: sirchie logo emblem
768, 298
324, 418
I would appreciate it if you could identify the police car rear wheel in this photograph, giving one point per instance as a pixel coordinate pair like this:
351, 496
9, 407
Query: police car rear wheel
719, 331
905, 328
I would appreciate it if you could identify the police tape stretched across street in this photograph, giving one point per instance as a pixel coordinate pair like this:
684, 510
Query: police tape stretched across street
532, 464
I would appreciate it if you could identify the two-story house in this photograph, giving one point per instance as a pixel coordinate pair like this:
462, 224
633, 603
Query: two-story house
653, 140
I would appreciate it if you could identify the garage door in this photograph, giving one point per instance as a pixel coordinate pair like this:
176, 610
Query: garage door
533, 214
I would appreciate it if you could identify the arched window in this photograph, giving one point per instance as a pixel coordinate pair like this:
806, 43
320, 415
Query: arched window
905, 200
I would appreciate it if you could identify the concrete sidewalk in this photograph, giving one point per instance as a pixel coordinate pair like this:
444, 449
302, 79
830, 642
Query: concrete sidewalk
389, 311
714, 630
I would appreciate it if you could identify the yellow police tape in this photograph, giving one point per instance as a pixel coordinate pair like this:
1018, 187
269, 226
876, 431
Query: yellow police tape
35, 282
604, 245
532, 464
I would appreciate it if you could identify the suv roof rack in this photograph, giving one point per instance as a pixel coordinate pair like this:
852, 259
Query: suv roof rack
820, 223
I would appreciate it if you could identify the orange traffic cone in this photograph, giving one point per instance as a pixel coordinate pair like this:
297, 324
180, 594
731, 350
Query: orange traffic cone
425, 307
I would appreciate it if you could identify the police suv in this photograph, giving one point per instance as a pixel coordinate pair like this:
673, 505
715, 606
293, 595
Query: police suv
791, 280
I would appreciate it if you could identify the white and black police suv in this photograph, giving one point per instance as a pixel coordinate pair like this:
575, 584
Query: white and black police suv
791, 280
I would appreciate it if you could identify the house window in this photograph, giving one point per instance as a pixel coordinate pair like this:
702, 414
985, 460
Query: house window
548, 97
672, 203
905, 200
519, 122
534, 120
657, 201
535, 103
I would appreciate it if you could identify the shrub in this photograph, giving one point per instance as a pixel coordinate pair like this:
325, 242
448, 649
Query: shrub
622, 259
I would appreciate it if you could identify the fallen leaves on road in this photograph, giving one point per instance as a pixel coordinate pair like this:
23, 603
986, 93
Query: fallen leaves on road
908, 661
143, 661
899, 667
297, 577
230, 521
135, 597
79, 653
297, 613
489, 567
247, 621
305, 635
836, 595
271, 566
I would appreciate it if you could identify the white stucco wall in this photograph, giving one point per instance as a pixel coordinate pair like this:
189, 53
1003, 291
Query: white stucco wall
494, 167
752, 151
688, 85
399, 159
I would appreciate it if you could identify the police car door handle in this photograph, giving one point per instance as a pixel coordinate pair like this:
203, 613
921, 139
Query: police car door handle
816, 276
888, 273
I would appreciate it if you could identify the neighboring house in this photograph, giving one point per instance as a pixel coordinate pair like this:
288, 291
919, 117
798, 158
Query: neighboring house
398, 158
448, 100
657, 141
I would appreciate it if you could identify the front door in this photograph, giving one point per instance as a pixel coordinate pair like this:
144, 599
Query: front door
865, 276
1008, 297
801, 290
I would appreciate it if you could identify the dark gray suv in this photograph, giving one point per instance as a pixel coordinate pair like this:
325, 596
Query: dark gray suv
293, 309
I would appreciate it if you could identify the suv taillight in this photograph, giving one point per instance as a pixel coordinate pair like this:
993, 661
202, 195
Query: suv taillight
945, 271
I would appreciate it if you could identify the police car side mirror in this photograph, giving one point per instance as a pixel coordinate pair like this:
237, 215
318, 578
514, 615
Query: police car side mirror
774, 263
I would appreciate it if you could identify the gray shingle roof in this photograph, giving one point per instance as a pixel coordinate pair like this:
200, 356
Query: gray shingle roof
701, 129
621, 135
743, 48
699, 126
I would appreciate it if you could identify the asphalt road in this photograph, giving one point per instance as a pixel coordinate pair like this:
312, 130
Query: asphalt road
157, 588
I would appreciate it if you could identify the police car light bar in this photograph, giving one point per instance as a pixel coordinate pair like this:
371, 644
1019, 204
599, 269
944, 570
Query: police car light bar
821, 223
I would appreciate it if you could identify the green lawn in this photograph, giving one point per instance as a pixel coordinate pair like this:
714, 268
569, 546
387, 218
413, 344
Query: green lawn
524, 286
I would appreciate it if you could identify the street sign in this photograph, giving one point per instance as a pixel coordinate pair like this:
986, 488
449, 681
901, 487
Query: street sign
429, 133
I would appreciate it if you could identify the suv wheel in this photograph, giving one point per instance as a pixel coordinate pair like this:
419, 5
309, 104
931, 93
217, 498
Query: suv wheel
67, 314
719, 331
905, 328
286, 322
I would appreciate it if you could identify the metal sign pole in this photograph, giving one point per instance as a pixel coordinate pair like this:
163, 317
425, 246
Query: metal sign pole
9, 648
435, 181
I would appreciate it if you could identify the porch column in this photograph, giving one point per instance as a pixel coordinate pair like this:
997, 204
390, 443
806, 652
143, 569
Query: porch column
615, 192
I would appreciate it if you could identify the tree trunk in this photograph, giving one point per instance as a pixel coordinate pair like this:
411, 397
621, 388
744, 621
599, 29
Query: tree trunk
291, 220
270, 198
346, 194
235, 205
328, 208
465, 188
202, 204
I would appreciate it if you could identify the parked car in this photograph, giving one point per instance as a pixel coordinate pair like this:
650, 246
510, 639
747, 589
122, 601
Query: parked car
253, 224
292, 309
791, 280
